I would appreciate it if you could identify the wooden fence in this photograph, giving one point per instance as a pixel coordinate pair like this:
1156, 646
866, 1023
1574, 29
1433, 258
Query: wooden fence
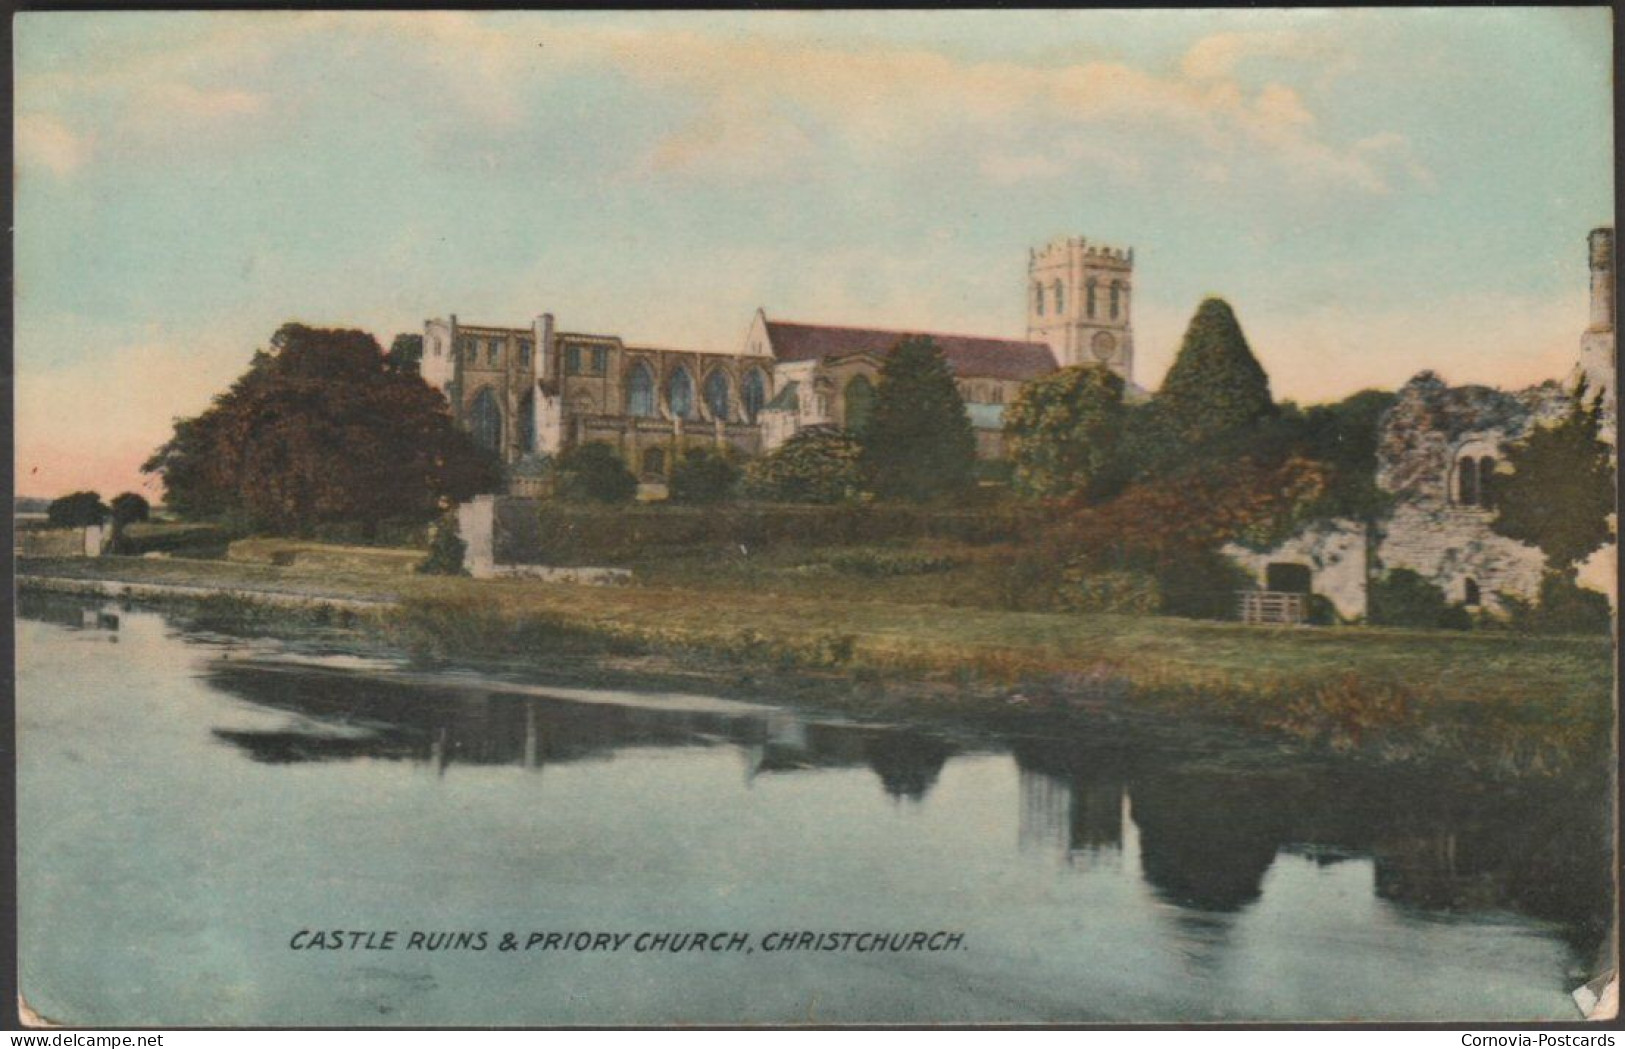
1272, 606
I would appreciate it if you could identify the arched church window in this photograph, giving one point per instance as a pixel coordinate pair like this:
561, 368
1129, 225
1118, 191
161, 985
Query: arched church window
1117, 298
1467, 481
716, 394
640, 391
485, 420
1038, 299
1486, 481
527, 422
680, 394
1060, 300
753, 394
860, 403
1089, 297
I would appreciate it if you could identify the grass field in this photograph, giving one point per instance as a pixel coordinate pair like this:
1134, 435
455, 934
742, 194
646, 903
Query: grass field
1514, 703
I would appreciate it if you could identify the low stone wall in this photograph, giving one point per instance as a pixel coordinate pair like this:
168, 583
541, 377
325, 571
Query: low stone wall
61, 542
501, 537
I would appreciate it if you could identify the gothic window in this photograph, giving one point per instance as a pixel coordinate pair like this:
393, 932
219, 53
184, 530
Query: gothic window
1060, 299
1117, 298
527, 422
640, 391
1470, 594
860, 403
1486, 481
1038, 299
524, 352
469, 349
572, 360
493, 350
600, 360
1089, 301
654, 462
1467, 481
680, 394
485, 420
716, 394
753, 394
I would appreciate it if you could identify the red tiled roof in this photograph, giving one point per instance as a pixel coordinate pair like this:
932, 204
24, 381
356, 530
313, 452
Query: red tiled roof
970, 356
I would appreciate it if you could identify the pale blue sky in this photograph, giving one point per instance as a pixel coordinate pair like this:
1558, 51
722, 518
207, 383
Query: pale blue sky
1375, 191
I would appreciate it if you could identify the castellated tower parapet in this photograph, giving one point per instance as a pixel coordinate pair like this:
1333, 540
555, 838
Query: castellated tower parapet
1079, 298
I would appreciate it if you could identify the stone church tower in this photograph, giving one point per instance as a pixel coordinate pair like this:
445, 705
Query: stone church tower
1078, 299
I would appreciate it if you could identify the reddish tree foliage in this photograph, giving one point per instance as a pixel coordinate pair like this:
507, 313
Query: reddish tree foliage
1163, 521
320, 430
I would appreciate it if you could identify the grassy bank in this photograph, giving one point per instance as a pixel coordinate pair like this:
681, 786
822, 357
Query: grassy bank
1504, 704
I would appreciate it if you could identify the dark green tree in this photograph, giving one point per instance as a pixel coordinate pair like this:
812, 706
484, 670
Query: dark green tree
76, 510
704, 476
1343, 438
818, 464
128, 508
1558, 491
1062, 433
405, 354
918, 444
1216, 385
593, 473
319, 431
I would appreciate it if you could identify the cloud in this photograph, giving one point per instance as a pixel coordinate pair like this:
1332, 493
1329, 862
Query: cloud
764, 106
1217, 56
43, 141
185, 100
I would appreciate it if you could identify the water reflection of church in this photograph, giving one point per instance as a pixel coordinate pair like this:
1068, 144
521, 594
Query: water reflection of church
441, 726
1202, 838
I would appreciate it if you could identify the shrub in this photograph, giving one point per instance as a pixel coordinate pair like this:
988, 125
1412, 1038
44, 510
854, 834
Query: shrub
76, 510
129, 508
1127, 592
445, 550
1404, 598
1564, 607
1201, 585
704, 476
878, 564
819, 464
593, 473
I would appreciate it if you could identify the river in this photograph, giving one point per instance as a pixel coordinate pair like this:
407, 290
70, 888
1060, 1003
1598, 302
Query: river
193, 809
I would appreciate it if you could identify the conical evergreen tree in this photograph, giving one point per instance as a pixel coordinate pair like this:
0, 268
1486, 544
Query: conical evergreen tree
919, 443
1216, 385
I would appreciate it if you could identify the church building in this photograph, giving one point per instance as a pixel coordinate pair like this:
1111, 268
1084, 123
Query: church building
531, 392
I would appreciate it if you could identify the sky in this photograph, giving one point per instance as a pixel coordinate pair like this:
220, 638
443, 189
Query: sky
1374, 191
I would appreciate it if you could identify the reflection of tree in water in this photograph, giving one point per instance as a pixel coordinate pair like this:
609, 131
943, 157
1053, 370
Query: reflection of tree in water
348, 715
907, 763
345, 715
1205, 842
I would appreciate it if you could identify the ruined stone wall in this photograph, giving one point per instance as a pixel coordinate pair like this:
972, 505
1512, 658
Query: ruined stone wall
1432, 529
